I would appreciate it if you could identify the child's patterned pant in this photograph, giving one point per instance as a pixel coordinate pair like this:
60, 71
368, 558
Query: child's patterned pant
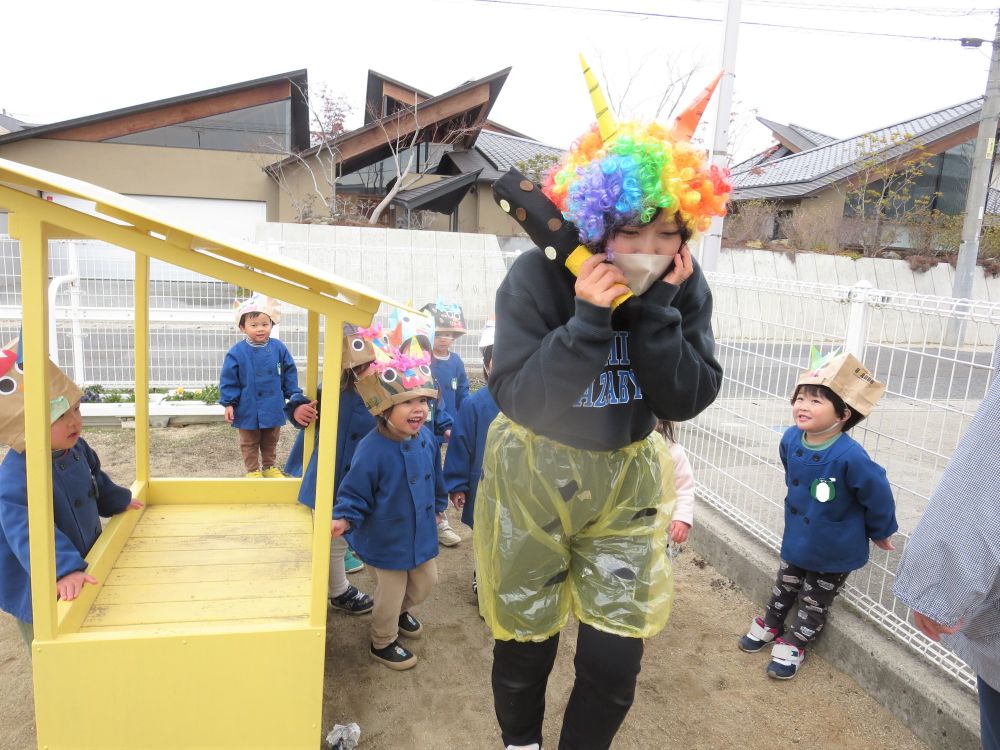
815, 593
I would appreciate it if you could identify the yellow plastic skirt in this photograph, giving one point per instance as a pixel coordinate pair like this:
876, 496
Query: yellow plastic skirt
559, 527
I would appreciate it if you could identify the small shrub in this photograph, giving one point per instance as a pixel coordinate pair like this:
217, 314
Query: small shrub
209, 394
921, 263
812, 227
750, 221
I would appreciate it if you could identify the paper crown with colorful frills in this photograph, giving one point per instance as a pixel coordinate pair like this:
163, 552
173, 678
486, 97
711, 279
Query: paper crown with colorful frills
843, 374
618, 174
258, 303
358, 349
63, 394
397, 374
448, 317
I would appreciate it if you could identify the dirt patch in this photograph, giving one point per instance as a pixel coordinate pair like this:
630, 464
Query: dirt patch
696, 689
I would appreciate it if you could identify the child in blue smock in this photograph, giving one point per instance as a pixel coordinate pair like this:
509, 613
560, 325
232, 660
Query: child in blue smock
81, 492
258, 377
353, 422
451, 381
837, 499
392, 496
463, 464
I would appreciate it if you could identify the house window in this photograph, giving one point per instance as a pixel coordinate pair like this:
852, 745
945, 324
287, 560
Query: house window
263, 128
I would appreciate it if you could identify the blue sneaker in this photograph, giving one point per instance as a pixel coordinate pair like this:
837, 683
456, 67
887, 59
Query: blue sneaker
352, 563
785, 660
758, 636
353, 602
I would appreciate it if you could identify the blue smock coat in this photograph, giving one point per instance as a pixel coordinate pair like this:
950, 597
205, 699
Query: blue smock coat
81, 493
837, 500
257, 380
390, 496
463, 463
452, 380
354, 421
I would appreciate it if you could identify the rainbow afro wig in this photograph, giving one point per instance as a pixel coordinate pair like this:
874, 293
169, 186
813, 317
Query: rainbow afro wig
602, 186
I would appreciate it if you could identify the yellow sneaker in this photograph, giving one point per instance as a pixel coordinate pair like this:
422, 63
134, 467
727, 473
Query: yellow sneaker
254, 474
273, 472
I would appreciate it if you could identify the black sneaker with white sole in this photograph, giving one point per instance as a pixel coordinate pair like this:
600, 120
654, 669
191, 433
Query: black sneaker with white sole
410, 626
394, 656
353, 602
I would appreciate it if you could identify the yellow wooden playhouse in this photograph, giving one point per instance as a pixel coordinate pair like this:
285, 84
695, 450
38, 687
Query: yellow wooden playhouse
207, 628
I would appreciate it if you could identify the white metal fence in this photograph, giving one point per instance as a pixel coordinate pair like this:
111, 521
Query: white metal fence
764, 328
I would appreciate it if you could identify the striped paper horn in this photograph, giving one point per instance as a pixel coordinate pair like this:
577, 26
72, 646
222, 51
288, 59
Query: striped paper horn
606, 123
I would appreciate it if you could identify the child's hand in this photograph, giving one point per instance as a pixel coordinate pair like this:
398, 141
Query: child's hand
457, 499
339, 527
679, 531
438, 517
682, 269
70, 585
885, 544
600, 283
136, 504
447, 435
933, 630
230, 414
305, 414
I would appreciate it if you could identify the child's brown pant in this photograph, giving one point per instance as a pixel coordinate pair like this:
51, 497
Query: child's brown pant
395, 592
263, 442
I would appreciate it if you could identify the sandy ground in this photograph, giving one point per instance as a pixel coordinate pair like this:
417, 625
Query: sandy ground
696, 690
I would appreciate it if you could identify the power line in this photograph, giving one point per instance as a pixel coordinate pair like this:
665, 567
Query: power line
647, 14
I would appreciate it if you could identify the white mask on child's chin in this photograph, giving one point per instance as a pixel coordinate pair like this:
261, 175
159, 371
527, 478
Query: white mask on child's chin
641, 270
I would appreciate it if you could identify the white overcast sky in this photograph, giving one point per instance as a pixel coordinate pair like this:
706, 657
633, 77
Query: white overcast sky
65, 59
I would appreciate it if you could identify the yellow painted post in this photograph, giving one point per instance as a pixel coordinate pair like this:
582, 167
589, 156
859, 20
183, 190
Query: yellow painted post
312, 381
325, 469
141, 302
38, 435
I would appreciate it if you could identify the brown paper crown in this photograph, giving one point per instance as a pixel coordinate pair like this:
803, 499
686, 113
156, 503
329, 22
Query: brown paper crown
396, 376
358, 349
848, 378
12, 394
258, 303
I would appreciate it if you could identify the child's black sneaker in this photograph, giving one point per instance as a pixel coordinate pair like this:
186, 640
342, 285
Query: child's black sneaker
785, 660
394, 656
758, 636
410, 626
353, 602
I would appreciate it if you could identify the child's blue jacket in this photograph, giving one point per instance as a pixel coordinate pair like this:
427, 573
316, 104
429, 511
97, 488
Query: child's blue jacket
390, 496
831, 535
354, 421
452, 380
81, 493
257, 380
463, 463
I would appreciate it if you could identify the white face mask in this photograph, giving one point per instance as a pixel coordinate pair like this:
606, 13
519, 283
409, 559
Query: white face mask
641, 270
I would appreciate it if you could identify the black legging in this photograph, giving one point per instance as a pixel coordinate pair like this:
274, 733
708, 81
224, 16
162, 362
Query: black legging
606, 670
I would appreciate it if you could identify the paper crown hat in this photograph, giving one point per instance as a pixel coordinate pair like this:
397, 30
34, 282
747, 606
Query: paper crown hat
358, 348
396, 375
489, 331
63, 393
408, 327
844, 374
448, 317
258, 303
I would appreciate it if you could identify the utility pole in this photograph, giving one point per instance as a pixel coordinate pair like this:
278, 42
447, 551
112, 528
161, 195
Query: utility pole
979, 183
712, 243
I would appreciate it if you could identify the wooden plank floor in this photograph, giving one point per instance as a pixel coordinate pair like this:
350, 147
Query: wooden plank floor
190, 567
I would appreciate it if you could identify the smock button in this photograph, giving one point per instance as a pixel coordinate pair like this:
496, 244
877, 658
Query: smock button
413, 481
795, 482
816, 458
77, 503
427, 476
793, 511
354, 436
798, 452
805, 520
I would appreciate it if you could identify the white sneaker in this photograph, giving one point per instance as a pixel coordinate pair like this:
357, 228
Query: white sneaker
532, 746
447, 535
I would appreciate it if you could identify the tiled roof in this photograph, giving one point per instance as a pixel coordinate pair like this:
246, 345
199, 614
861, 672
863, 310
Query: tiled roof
818, 139
771, 153
505, 151
807, 172
11, 125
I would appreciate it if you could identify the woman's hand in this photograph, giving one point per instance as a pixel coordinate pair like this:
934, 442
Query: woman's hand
682, 269
600, 283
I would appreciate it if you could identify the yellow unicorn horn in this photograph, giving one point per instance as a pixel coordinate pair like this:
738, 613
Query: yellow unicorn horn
605, 120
